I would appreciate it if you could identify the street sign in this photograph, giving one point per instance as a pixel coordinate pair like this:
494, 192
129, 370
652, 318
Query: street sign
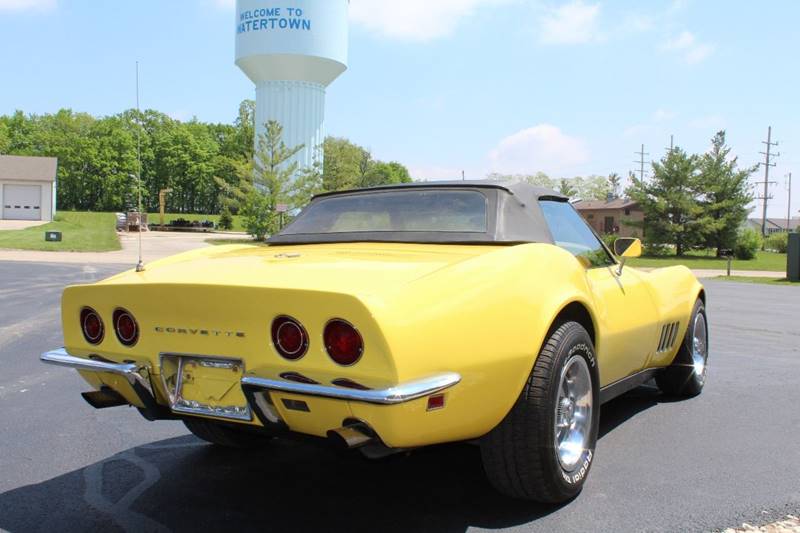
281, 208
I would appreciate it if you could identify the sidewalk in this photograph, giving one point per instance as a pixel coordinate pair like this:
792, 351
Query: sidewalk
746, 273
155, 245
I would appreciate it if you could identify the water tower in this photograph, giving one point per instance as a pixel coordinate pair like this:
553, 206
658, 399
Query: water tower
292, 50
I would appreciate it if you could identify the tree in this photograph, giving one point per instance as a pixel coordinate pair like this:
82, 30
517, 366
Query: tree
592, 187
615, 183
203, 163
245, 127
726, 195
540, 179
380, 173
5, 138
270, 183
345, 164
566, 188
670, 202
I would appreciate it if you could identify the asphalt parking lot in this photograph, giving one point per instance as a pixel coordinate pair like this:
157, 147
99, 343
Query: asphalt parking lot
728, 456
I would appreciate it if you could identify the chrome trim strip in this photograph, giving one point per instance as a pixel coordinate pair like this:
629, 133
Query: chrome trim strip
132, 372
401, 393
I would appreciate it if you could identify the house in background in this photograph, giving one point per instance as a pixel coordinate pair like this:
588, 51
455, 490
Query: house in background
610, 216
27, 187
774, 225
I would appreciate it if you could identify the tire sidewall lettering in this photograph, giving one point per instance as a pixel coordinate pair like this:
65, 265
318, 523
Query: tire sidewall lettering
578, 475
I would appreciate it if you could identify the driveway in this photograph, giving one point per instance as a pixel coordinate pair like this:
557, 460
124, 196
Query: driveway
726, 457
155, 245
20, 224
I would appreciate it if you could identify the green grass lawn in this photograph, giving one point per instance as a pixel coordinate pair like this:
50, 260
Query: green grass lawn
755, 279
81, 232
153, 218
698, 260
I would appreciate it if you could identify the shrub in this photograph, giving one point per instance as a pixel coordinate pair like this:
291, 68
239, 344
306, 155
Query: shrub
747, 244
657, 249
257, 216
608, 239
225, 219
778, 242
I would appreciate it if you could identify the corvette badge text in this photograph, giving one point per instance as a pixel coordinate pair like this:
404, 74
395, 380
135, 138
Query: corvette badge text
200, 332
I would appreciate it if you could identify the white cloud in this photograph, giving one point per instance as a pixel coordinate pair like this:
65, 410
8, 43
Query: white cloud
23, 5
572, 23
543, 147
662, 115
692, 50
414, 20
638, 23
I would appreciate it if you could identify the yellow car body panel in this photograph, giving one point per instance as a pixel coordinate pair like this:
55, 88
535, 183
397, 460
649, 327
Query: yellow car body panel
482, 311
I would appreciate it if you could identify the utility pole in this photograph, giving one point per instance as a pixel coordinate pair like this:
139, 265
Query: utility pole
641, 162
463, 176
671, 144
768, 155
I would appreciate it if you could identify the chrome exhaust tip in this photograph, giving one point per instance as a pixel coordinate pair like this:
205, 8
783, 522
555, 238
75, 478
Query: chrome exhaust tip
350, 437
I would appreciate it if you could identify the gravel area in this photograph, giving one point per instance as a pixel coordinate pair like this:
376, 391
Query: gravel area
790, 524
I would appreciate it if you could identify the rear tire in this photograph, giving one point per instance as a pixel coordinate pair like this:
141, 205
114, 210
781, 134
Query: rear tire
225, 435
543, 449
686, 376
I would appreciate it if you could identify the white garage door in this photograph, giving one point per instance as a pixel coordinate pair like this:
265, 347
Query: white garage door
22, 202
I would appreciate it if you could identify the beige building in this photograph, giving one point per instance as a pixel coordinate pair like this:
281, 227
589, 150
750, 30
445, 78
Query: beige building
610, 216
27, 187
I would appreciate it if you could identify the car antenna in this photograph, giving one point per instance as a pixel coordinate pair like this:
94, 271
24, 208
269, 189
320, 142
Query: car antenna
140, 263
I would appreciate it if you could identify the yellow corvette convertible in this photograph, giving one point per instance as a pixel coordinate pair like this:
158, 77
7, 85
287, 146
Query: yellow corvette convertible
397, 317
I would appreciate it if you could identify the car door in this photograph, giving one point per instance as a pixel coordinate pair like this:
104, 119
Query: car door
624, 308
624, 304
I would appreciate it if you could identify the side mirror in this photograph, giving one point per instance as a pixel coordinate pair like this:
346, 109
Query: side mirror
626, 247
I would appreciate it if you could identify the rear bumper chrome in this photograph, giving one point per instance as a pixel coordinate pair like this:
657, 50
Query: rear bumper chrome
401, 393
135, 374
138, 376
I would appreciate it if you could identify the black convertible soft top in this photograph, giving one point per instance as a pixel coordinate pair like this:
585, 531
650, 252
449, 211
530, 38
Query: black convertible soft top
513, 216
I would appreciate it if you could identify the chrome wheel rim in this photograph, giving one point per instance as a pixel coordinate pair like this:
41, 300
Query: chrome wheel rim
699, 346
573, 420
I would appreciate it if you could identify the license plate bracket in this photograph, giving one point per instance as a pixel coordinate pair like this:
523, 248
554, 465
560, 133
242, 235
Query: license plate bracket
205, 385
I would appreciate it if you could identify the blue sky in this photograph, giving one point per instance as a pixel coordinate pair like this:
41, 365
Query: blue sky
570, 88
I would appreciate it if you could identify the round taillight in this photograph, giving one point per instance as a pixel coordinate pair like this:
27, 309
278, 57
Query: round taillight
126, 327
289, 338
92, 326
343, 342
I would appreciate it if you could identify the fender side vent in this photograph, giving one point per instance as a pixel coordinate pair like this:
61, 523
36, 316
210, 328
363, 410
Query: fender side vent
669, 334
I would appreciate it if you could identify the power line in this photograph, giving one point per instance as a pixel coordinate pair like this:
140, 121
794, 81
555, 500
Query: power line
768, 155
641, 162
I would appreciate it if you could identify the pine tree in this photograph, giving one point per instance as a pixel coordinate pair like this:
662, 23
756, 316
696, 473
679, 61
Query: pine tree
726, 195
670, 202
267, 182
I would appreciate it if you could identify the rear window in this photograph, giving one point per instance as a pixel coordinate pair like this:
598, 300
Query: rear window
394, 211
